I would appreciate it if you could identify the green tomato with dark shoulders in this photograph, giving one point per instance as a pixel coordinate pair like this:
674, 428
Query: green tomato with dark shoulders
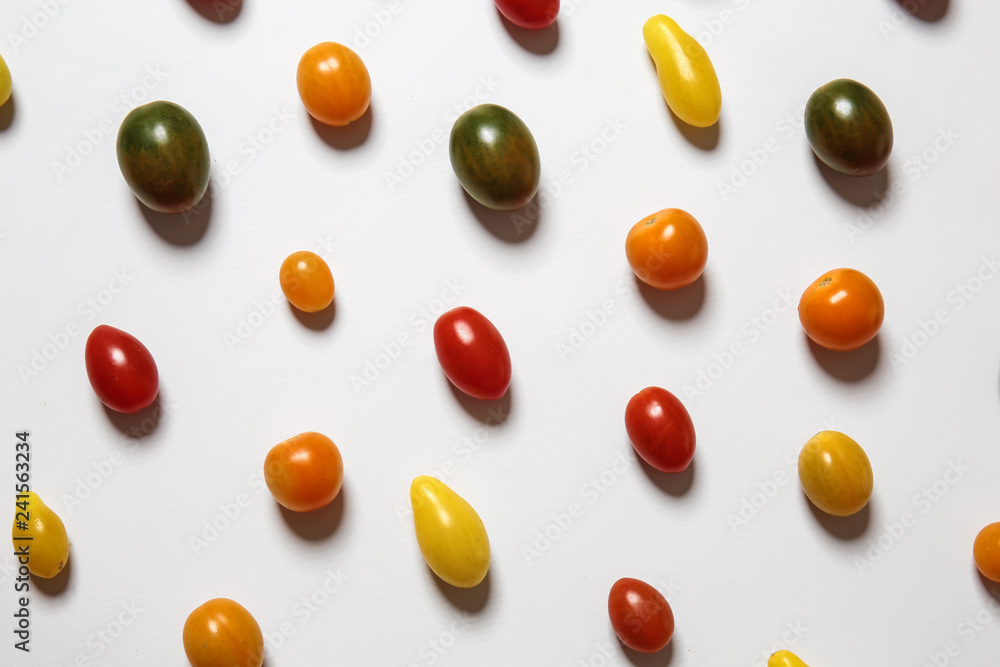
163, 155
849, 127
495, 157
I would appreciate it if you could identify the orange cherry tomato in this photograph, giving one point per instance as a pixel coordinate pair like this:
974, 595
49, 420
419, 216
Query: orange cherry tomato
334, 84
304, 473
986, 552
842, 310
667, 250
222, 633
306, 281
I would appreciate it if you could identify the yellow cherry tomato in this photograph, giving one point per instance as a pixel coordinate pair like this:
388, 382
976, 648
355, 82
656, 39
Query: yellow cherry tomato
5, 82
39, 533
836, 474
222, 633
687, 77
785, 659
306, 281
451, 535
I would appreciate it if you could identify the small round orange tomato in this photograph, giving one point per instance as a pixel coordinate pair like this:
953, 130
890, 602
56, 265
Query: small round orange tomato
334, 84
306, 281
667, 250
304, 473
842, 310
222, 633
986, 552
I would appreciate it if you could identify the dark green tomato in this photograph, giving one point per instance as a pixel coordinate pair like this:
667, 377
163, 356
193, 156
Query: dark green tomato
849, 128
163, 155
495, 157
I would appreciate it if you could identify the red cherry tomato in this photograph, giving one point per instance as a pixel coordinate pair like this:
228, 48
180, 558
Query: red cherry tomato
304, 473
660, 429
121, 370
530, 14
472, 353
640, 615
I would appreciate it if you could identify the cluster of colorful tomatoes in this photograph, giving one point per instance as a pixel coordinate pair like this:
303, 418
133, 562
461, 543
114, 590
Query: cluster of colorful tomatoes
164, 157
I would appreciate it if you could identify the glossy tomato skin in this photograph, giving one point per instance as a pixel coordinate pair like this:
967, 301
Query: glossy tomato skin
472, 353
842, 310
640, 615
667, 250
334, 84
660, 429
222, 633
304, 473
163, 155
495, 158
450, 533
306, 281
121, 370
530, 14
986, 552
849, 127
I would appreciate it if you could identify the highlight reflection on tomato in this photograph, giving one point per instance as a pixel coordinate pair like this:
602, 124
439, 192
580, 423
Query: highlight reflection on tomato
472, 353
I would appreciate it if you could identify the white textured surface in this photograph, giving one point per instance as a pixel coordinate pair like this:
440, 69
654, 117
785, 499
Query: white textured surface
394, 250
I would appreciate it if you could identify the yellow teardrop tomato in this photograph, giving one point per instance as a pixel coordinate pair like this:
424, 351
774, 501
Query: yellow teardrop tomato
39, 530
785, 659
5, 82
687, 77
451, 535
836, 474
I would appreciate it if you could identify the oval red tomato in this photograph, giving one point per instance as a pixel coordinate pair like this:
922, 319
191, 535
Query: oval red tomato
660, 429
530, 14
640, 615
121, 370
472, 353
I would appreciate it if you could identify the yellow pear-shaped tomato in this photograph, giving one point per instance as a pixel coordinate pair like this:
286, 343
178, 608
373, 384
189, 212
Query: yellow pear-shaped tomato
836, 474
5, 82
451, 535
41, 532
785, 659
686, 74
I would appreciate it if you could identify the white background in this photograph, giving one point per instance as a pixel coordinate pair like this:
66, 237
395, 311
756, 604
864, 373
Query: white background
234, 383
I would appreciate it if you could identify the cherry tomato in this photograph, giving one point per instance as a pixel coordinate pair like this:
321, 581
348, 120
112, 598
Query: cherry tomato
121, 370
667, 250
222, 633
334, 84
450, 534
785, 659
687, 77
35, 524
640, 615
660, 429
5, 82
304, 473
472, 353
306, 281
530, 14
986, 552
835, 473
842, 310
